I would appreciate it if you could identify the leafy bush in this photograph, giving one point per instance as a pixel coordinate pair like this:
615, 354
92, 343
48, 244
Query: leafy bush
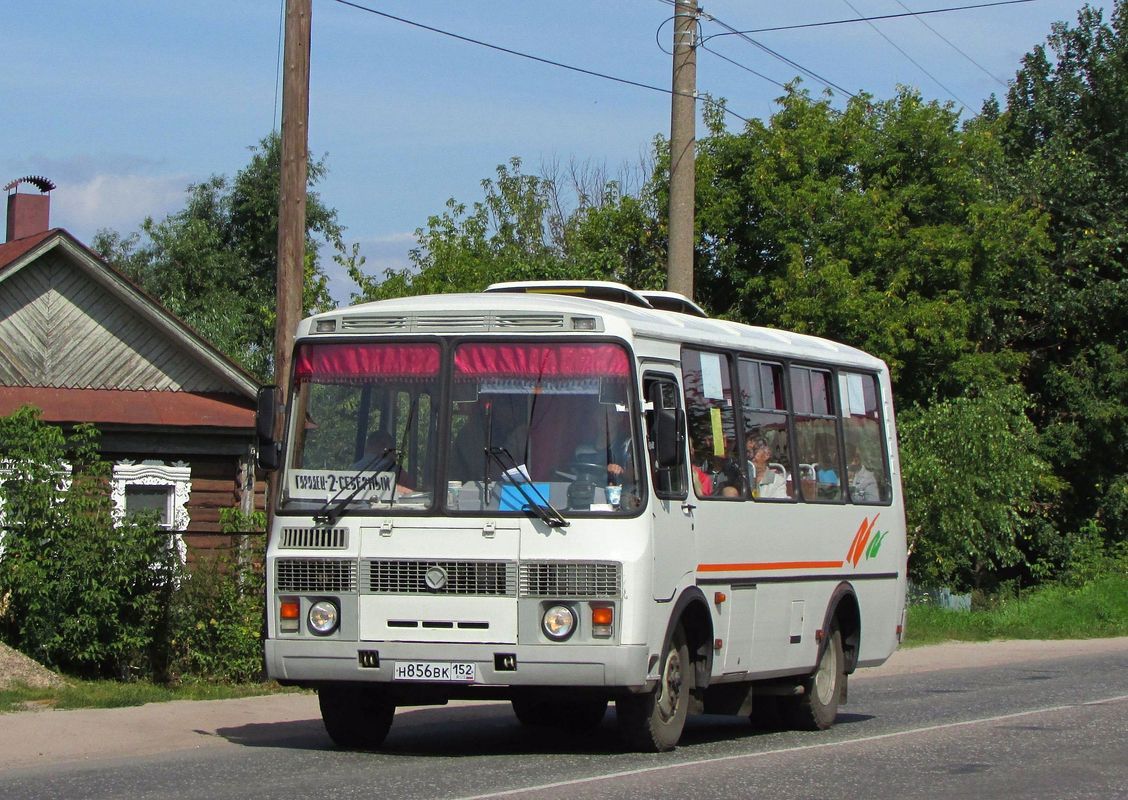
79, 593
972, 481
217, 614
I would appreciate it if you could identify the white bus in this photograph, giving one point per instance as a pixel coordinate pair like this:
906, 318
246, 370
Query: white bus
565, 495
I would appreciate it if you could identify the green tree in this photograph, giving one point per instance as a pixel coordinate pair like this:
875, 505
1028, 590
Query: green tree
881, 226
521, 230
1065, 132
213, 263
973, 485
79, 592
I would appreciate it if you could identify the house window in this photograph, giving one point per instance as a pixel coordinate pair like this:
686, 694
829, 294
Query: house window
140, 498
154, 486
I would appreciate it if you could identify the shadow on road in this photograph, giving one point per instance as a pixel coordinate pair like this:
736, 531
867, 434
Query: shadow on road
489, 729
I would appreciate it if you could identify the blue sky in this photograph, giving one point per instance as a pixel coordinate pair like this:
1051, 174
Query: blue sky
125, 103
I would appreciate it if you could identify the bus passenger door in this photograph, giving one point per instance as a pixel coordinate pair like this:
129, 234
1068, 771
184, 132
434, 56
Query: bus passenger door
672, 542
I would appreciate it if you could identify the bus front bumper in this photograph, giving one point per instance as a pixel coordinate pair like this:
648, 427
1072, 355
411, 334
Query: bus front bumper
496, 665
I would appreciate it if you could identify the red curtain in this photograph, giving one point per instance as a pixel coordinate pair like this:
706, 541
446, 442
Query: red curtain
541, 360
328, 362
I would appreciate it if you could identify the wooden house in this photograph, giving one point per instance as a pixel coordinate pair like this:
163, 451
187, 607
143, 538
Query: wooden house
82, 343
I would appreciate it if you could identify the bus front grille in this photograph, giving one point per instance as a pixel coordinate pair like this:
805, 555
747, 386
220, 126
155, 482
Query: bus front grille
570, 579
315, 575
472, 578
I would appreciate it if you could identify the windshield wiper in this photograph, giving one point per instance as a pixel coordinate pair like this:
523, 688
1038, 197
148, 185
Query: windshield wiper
379, 463
516, 475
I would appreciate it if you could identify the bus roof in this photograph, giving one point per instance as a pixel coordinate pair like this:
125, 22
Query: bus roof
534, 312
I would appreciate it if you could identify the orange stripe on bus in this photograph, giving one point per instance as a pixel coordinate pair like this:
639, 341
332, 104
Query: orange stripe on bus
857, 537
861, 538
768, 565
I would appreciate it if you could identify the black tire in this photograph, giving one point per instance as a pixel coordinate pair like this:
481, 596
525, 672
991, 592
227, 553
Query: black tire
817, 707
356, 717
573, 716
653, 722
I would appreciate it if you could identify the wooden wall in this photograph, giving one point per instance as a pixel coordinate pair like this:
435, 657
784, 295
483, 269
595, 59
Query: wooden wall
59, 328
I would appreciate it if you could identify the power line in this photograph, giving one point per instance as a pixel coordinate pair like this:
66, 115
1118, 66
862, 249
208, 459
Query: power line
824, 81
539, 59
783, 86
854, 20
916, 63
952, 45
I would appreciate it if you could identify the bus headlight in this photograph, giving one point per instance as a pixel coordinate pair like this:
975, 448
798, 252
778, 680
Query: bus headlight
558, 622
323, 617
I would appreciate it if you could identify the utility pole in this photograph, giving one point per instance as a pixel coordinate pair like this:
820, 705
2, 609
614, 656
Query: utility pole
292, 197
294, 155
683, 111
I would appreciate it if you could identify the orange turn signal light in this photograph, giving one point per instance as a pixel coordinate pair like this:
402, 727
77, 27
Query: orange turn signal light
290, 609
602, 616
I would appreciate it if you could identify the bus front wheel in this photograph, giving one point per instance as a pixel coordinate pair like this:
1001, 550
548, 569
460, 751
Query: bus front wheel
653, 722
356, 717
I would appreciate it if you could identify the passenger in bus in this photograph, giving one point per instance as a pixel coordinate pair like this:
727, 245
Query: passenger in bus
863, 483
702, 480
723, 472
827, 476
766, 481
501, 421
379, 443
728, 481
620, 459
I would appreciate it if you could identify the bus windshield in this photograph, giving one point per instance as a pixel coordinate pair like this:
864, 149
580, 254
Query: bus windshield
529, 426
366, 421
553, 416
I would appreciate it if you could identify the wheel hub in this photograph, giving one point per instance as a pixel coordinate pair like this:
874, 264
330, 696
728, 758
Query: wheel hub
670, 687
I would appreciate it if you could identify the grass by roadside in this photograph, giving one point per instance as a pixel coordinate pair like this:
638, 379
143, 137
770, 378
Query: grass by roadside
1097, 609
112, 694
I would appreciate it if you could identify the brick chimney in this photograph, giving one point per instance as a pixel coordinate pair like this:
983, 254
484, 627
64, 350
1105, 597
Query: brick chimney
28, 214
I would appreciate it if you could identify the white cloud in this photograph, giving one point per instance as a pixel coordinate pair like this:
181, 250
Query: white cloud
117, 201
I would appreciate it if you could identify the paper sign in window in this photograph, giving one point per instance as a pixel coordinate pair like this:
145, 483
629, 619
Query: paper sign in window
711, 383
718, 431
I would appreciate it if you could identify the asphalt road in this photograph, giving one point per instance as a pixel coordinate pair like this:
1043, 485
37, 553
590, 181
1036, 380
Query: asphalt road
1002, 720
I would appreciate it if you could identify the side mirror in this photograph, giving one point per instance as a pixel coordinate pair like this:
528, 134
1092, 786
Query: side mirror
269, 451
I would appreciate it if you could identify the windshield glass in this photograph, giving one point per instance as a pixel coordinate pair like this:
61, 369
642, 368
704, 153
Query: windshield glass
366, 426
546, 421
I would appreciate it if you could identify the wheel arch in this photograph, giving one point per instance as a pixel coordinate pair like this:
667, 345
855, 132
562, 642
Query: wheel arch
691, 611
843, 610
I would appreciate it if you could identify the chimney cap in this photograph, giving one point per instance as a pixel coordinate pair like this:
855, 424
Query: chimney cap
38, 181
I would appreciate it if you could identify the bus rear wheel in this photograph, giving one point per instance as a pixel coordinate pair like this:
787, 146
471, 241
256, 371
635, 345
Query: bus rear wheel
653, 722
356, 717
817, 707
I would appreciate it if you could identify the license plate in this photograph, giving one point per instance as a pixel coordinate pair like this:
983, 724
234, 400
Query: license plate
443, 671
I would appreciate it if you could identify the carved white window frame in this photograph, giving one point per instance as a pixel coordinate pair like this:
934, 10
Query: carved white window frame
177, 476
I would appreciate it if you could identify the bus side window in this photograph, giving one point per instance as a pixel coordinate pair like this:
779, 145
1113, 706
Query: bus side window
716, 463
665, 435
767, 449
816, 433
867, 467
